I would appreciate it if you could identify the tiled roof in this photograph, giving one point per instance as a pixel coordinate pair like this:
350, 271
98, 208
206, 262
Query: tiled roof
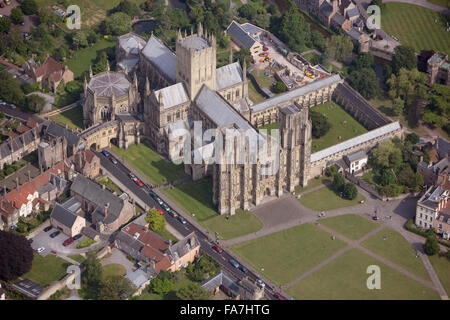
195, 42
173, 95
237, 32
162, 57
110, 83
132, 43
63, 215
228, 76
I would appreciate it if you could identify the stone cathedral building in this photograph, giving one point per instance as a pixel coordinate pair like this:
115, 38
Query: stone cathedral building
159, 92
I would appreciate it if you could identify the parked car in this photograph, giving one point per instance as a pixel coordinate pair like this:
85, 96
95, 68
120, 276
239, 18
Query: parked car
375, 218
30, 240
113, 160
47, 229
138, 182
278, 296
260, 283
132, 176
68, 242
173, 213
159, 201
55, 234
265, 48
106, 153
234, 263
53, 251
39, 250
78, 236
181, 219
218, 249
243, 269
165, 207
153, 195
160, 211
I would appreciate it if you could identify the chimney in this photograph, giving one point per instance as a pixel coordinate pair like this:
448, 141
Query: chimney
106, 209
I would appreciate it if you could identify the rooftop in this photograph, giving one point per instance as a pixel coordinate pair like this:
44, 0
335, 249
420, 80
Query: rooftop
110, 83
240, 34
162, 57
195, 42
173, 95
228, 76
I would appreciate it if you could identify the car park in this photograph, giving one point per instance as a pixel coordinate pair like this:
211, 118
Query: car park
55, 234
41, 249
234, 263
47, 229
68, 242
181, 219
217, 248
106, 153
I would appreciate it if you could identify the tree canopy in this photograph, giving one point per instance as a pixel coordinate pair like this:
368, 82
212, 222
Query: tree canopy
320, 124
16, 256
156, 221
193, 291
404, 57
365, 81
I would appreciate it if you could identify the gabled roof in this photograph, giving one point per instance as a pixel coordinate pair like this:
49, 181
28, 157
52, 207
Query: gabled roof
64, 216
235, 30
132, 43
162, 57
228, 76
55, 130
173, 95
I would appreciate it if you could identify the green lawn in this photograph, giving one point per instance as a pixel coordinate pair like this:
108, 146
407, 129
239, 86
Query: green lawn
85, 243
351, 226
312, 183
262, 79
415, 26
343, 125
84, 58
113, 269
288, 254
77, 257
442, 267
253, 94
269, 127
150, 164
110, 185
346, 279
325, 199
47, 269
196, 198
398, 250
442, 3
73, 118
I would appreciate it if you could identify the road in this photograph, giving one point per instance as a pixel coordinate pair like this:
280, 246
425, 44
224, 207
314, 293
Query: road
121, 172
18, 114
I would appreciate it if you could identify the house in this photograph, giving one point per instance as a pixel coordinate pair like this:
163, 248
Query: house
9, 215
223, 282
107, 211
140, 278
430, 205
87, 163
434, 174
353, 163
50, 73
438, 69
152, 250
65, 219
442, 223
248, 290
243, 39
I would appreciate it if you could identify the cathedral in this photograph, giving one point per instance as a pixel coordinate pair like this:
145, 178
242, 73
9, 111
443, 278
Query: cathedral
158, 93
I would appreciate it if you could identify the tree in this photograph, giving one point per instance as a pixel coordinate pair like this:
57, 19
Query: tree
5, 24
412, 138
127, 7
365, 81
349, 191
397, 106
16, 256
16, 16
10, 89
279, 87
29, 7
115, 288
162, 283
35, 103
363, 61
156, 221
92, 276
320, 124
338, 182
338, 47
331, 171
431, 246
79, 40
404, 57
387, 177
193, 292
293, 29
46, 16
407, 85
100, 63
118, 24
386, 155
244, 54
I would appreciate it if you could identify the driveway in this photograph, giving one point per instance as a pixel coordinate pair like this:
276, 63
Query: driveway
42, 239
118, 257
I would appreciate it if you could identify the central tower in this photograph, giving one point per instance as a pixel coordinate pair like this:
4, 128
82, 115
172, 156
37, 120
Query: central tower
196, 60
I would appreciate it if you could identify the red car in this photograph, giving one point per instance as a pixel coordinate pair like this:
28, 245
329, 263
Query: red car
68, 242
265, 48
218, 249
160, 211
139, 183
53, 251
279, 296
263, 54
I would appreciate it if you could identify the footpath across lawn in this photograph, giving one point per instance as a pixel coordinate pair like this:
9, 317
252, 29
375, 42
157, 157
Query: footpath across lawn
325, 199
47, 269
398, 250
286, 255
351, 226
442, 267
346, 279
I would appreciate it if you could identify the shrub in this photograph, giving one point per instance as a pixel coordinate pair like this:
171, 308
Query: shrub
431, 246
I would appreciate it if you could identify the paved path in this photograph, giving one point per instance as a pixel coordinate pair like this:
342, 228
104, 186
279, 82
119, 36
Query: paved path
423, 3
434, 277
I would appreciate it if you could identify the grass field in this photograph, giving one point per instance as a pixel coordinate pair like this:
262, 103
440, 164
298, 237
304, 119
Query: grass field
415, 26
84, 58
150, 164
326, 199
47, 269
73, 118
253, 94
312, 183
110, 185
343, 125
398, 250
262, 79
351, 226
442, 3
346, 279
113, 269
442, 267
196, 198
285, 255
86, 242
77, 257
